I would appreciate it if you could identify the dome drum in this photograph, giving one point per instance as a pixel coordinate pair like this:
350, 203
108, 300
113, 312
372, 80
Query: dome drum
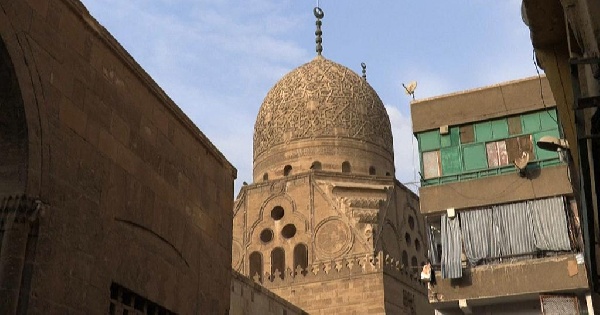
330, 154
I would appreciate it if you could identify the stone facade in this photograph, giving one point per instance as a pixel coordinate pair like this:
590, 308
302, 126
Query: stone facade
249, 297
110, 197
325, 225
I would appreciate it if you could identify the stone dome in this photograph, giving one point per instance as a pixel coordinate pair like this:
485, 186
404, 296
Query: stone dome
317, 108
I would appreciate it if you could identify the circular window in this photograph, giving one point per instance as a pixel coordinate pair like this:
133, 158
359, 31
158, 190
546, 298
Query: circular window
266, 235
417, 245
411, 222
277, 213
407, 238
288, 231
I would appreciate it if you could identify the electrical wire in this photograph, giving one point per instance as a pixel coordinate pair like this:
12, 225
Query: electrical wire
537, 70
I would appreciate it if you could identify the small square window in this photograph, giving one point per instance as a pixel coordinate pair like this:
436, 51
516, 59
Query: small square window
467, 135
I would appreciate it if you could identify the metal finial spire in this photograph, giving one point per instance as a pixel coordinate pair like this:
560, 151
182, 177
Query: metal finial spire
364, 70
319, 14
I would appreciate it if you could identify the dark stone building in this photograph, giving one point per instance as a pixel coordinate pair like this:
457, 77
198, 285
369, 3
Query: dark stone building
110, 197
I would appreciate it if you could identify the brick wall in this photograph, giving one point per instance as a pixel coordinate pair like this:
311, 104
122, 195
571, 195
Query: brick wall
132, 192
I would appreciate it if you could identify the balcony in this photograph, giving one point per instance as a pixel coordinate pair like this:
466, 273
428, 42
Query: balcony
510, 281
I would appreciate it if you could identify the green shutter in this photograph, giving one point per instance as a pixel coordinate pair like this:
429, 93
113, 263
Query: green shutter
451, 139
544, 154
548, 119
474, 157
429, 140
499, 129
483, 131
531, 122
450, 160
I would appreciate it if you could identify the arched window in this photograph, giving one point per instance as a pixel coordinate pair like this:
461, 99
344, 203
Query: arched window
13, 129
256, 265
372, 170
266, 176
278, 262
301, 258
287, 170
405, 259
316, 165
346, 167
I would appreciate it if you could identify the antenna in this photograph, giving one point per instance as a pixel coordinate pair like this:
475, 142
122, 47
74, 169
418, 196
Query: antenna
319, 14
364, 70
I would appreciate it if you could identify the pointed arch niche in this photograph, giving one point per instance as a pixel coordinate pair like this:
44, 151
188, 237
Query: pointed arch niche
13, 130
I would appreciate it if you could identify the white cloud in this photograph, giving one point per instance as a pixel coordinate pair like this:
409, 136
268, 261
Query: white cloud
406, 155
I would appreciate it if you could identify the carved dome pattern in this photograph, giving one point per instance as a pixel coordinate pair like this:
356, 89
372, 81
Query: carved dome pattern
321, 99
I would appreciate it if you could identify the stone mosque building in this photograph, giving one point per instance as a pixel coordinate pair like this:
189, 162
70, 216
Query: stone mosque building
325, 225
113, 202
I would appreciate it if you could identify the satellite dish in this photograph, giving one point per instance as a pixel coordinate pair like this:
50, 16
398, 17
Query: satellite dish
410, 88
521, 163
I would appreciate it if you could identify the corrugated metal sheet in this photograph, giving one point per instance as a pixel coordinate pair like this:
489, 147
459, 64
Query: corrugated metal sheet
513, 223
549, 222
451, 248
433, 255
515, 229
478, 237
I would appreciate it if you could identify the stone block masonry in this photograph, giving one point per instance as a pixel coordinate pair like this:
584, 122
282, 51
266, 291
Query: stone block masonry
132, 195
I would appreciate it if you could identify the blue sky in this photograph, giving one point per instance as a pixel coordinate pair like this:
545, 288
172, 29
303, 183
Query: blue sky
218, 59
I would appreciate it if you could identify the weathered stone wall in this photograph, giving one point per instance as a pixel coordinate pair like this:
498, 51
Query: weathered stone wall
126, 189
343, 219
352, 295
251, 298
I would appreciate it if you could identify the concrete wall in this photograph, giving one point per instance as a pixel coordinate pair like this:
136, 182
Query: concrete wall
499, 100
484, 284
121, 186
545, 182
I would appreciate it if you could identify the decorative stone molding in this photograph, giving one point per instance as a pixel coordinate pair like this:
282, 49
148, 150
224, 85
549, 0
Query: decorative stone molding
367, 203
333, 238
348, 267
369, 216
